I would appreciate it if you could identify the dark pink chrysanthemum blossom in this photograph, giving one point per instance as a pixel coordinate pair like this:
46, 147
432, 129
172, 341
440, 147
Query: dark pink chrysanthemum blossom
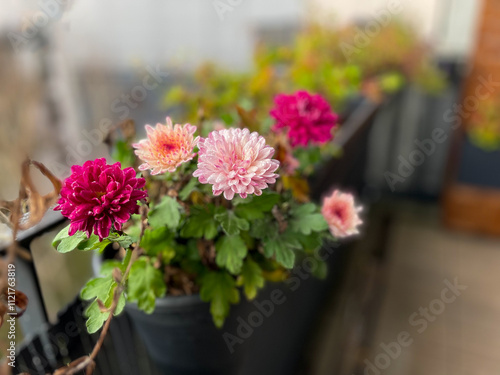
98, 196
236, 161
307, 118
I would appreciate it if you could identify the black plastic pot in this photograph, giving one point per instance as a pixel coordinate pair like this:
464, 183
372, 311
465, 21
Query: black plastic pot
476, 166
182, 339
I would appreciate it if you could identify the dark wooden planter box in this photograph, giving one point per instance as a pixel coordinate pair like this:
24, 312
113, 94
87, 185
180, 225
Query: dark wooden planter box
471, 200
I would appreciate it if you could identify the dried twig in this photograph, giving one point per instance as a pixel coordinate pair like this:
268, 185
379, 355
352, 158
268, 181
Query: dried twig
13, 214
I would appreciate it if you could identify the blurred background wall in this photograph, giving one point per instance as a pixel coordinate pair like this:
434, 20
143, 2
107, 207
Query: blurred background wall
448, 24
86, 57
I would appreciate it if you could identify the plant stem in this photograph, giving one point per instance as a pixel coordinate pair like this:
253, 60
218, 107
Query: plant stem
130, 257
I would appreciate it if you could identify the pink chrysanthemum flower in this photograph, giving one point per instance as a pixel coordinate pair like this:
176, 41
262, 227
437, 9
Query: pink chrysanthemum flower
166, 147
98, 196
341, 214
307, 118
236, 162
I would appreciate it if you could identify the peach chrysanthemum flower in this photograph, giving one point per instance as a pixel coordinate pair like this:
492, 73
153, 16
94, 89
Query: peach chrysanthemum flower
166, 147
341, 214
236, 161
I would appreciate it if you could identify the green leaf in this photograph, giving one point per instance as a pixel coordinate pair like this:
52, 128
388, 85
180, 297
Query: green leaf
251, 278
70, 243
281, 247
166, 213
310, 242
256, 208
231, 224
109, 265
227, 118
63, 233
306, 219
97, 288
145, 284
89, 244
100, 246
101, 288
320, 270
124, 240
263, 228
157, 241
231, 250
188, 189
121, 304
219, 288
124, 154
134, 230
95, 317
200, 223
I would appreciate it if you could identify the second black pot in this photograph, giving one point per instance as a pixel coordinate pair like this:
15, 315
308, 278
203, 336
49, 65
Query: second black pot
182, 338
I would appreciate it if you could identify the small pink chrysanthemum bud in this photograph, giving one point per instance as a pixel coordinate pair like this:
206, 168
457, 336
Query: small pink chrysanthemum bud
166, 147
341, 214
236, 161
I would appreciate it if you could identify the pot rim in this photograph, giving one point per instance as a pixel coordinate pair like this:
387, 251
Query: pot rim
172, 301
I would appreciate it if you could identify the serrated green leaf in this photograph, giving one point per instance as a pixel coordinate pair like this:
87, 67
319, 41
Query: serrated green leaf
124, 154
188, 189
124, 240
70, 243
231, 250
95, 317
310, 242
97, 288
100, 246
192, 250
263, 228
166, 213
63, 233
251, 278
281, 247
249, 212
145, 284
108, 266
231, 224
103, 289
227, 118
157, 241
305, 219
284, 254
320, 270
253, 207
200, 223
88, 244
219, 288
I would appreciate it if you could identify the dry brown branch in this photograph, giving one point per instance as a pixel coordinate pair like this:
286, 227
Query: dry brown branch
13, 212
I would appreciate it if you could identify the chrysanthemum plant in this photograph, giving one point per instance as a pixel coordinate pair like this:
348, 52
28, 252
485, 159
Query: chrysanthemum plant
209, 216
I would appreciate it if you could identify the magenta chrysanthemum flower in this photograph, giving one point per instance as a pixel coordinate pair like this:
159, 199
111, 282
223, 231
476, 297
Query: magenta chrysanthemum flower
236, 162
166, 147
307, 118
341, 214
98, 196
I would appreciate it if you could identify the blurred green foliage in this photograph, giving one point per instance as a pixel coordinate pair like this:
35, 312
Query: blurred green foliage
484, 125
321, 60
